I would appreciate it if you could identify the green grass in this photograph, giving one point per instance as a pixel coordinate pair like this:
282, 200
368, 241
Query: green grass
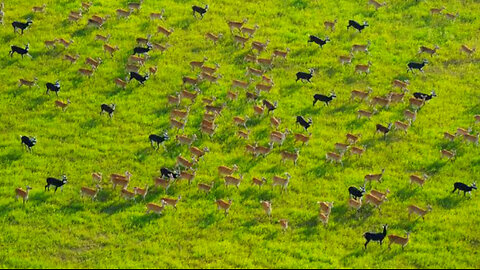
62, 230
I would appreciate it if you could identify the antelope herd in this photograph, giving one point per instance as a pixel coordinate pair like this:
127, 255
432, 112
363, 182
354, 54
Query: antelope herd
241, 34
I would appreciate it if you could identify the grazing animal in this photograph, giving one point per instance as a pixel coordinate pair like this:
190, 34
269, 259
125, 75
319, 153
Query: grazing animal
62, 104
141, 191
121, 180
157, 209
430, 51
259, 182
345, 59
362, 95
282, 54
232, 181
451, 16
213, 37
249, 31
334, 157
290, 156
28, 142
224, 205
142, 50
356, 193
259, 46
110, 109
300, 120
71, 58
199, 10
382, 129
434, 11
97, 177
27, 82
157, 15
22, 26
366, 114
418, 180
394, 239
301, 138
325, 207
463, 187
90, 192
206, 188
376, 4
448, 154
284, 224
376, 237
363, 68
19, 50
330, 24
356, 25
374, 200
110, 49
352, 139
320, 42
141, 79
464, 48
167, 173
267, 207
323, 98
270, 107
305, 76
401, 125
236, 25
414, 65
413, 209
401, 84
158, 139
127, 195
53, 87
282, 182
20, 192
56, 182
360, 48
423, 96
102, 37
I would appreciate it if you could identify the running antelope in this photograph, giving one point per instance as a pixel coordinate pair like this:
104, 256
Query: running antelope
102, 37
177, 124
185, 140
352, 203
345, 59
360, 68
97, 177
157, 15
262, 150
382, 101
376, 4
187, 176
224, 170
418, 180
325, 207
301, 138
357, 150
402, 126
240, 40
232, 181
71, 58
243, 134
379, 194
416, 103
366, 114
259, 46
448, 154
360, 48
352, 138
206, 188
175, 113
90, 192
282, 182
198, 64
253, 71
362, 95
471, 138
341, 147
427, 50
290, 156
120, 83
50, 43
27, 82
374, 177
249, 31
396, 97
334, 157
165, 183
324, 218
373, 200
259, 182
141, 191
281, 54
413, 209
20, 192
94, 63
64, 42
236, 25
197, 152
110, 49
463, 131
213, 37
157, 209
184, 162
394, 239
240, 84
165, 31
401, 84
86, 72
451, 16
39, 9
330, 25
240, 121
172, 202
127, 195
121, 13
120, 180
464, 48
62, 104
434, 11
224, 205
410, 116
284, 224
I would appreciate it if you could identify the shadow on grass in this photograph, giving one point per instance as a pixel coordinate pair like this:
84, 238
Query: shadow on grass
10, 157
450, 201
145, 219
208, 220
407, 192
116, 207
434, 167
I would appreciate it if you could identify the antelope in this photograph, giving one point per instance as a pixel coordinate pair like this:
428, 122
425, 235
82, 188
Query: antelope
290, 156
352, 203
324, 218
197, 152
19, 192
236, 25
198, 64
206, 188
345, 59
93, 22
357, 150
50, 43
177, 124
252, 149
419, 211
282, 182
396, 97
362, 95
240, 121
253, 71
334, 157
207, 130
97, 177
243, 134
110, 49
462, 131
449, 136
352, 139
267, 80
401, 125
259, 182
86, 5
143, 41
141, 191
137, 59
135, 6
213, 37
172, 202
121, 13
373, 200
232, 95
451, 16
86, 72
120, 83
265, 62
179, 113
400, 84
39, 9
223, 170
27, 82
102, 38
382, 101
275, 122
240, 40
184, 140
189, 80
165, 183
157, 15
61, 104
188, 95
74, 18
157, 209
427, 50
410, 116
394, 239
284, 224
259, 46
258, 110
279, 137
90, 192
360, 48
464, 48
374, 177
92, 62
64, 42
416, 103
380, 195
363, 68
448, 154
366, 114
223, 205
249, 31
210, 78
301, 138
434, 11
240, 84
71, 58
471, 138
267, 207
187, 176
120, 180
250, 58
175, 100
232, 181
185, 163
132, 68
160, 47
209, 116
330, 25
215, 109
262, 150
263, 87
325, 207
376, 4
282, 54
127, 195
418, 180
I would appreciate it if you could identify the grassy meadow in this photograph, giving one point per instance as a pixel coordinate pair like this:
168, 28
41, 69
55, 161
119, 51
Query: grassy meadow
64, 230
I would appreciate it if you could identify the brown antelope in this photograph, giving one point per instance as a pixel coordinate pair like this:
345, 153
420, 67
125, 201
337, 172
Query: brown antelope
278, 137
253, 71
127, 195
188, 95
120, 180
39, 9
209, 70
213, 37
159, 47
323, 218
352, 138
251, 149
464, 48
185, 140
187, 176
76, 13
86, 5
362, 95
71, 58
402, 126
20, 192
236, 25
120, 83
250, 58
396, 97
157, 15
90, 192
86, 72
281, 54
135, 6
264, 151
132, 68
267, 207
471, 138
243, 134
208, 100
97, 177
210, 78
374, 177
416, 103
198, 64
418, 180
110, 49
301, 138
451, 16
50, 43
185, 163
223, 205
282, 182
209, 116
352, 203
263, 87
259, 182
215, 109
360, 48
341, 147
207, 130
380, 195
366, 114
177, 124
373, 200
175, 113
206, 188
334, 157
413, 209
208, 124
400, 84
240, 84
143, 41
382, 101
223, 170
165, 183
232, 181
434, 11
93, 22
463, 131
265, 62
376, 4
394, 239
240, 121
74, 18
157, 209
259, 46
174, 99
357, 150
410, 116
232, 95
284, 224
137, 60
330, 25
449, 136
258, 110
363, 68
64, 42
290, 156
172, 202
345, 59
141, 191
427, 50
190, 80
325, 207
121, 13
62, 104
448, 154
102, 38
93, 62
197, 152
27, 82
249, 31
240, 40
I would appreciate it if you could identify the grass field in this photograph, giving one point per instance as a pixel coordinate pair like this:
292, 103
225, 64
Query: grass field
64, 230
